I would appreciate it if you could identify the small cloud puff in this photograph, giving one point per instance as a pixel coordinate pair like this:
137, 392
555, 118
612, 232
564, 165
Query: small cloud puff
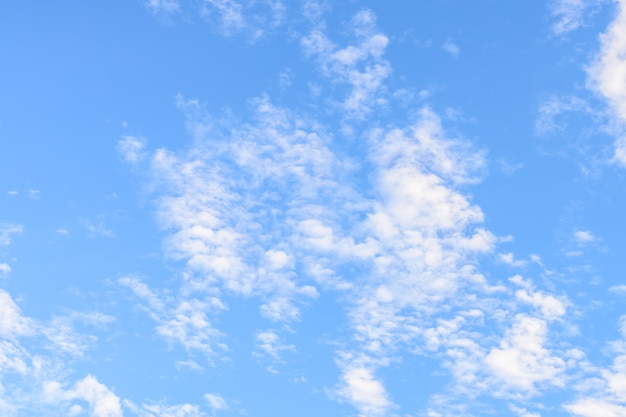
216, 401
132, 149
451, 48
583, 237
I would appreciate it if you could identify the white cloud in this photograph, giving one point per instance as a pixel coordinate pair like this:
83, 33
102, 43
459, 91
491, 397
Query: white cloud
590, 407
7, 230
185, 321
362, 67
98, 229
5, 269
253, 18
216, 401
132, 149
102, 401
364, 391
618, 289
269, 344
553, 110
179, 410
568, 15
451, 48
509, 259
162, 6
12, 323
584, 237
522, 361
606, 77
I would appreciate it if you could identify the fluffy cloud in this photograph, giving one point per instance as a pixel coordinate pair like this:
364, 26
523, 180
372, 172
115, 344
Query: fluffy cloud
606, 76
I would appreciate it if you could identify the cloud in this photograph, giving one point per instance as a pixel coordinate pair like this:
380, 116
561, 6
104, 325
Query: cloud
12, 323
451, 48
361, 66
132, 149
5, 269
553, 110
216, 401
590, 407
618, 289
584, 237
185, 321
98, 229
364, 391
7, 230
568, 15
268, 207
604, 390
34, 355
268, 343
102, 401
521, 361
164, 7
606, 77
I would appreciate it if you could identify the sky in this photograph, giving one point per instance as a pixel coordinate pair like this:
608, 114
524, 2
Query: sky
304, 208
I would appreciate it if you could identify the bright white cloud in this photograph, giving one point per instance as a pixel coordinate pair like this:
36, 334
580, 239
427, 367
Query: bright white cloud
102, 401
364, 391
522, 361
606, 76
5, 269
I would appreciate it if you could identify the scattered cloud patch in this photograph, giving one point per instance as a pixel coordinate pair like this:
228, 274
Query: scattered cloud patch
451, 48
162, 7
132, 148
568, 15
361, 66
216, 402
7, 231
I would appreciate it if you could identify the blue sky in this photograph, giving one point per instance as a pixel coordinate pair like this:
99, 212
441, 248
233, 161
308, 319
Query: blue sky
277, 208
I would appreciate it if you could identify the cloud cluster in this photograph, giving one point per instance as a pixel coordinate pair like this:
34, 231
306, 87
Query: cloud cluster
606, 77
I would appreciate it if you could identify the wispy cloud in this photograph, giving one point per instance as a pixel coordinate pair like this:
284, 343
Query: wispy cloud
37, 355
185, 321
216, 401
569, 15
268, 206
164, 7
361, 66
451, 48
6, 232
132, 148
